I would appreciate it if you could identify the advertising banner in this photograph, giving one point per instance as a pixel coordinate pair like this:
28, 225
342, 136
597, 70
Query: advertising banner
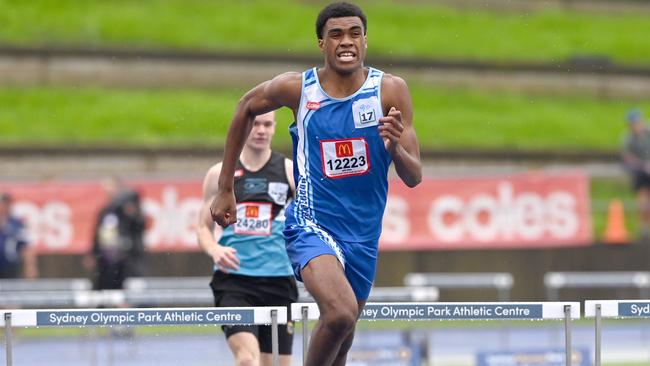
519, 211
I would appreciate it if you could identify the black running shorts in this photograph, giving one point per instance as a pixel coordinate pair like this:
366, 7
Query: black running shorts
243, 291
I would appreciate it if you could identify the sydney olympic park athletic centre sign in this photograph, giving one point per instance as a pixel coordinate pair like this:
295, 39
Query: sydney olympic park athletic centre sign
145, 316
452, 311
263, 315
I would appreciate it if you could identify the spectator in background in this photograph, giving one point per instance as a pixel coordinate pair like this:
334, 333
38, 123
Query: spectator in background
636, 158
118, 245
15, 251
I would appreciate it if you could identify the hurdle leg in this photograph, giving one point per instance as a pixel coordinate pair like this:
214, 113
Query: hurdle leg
567, 334
275, 345
598, 332
8, 344
305, 333
94, 338
111, 347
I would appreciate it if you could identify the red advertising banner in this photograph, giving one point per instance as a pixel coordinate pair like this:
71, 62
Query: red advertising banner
61, 215
526, 211
521, 211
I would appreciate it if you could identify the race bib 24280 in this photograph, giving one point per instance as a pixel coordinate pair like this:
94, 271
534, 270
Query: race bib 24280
253, 218
345, 157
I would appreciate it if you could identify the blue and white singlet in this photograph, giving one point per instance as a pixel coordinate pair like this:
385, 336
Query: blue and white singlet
340, 161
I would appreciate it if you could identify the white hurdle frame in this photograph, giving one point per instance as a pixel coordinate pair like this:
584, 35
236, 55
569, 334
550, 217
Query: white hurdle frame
263, 315
599, 309
566, 311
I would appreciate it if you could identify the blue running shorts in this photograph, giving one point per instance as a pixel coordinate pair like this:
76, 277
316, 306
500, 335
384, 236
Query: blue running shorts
359, 259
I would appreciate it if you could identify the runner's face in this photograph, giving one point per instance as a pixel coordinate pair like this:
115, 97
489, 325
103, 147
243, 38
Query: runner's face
343, 44
262, 132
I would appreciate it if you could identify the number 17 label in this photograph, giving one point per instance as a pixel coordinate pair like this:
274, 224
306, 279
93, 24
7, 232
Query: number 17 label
365, 111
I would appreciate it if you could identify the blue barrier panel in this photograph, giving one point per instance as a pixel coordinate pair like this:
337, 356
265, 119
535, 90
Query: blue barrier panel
634, 309
539, 357
381, 356
144, 316
453, 311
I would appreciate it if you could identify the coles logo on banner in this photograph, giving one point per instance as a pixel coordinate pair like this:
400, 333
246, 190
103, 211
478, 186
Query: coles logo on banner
527, 210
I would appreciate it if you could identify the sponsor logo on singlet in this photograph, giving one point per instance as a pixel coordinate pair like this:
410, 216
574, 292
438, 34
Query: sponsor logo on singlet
313, 105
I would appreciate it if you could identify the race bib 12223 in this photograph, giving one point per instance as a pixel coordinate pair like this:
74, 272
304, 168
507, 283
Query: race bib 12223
345, 157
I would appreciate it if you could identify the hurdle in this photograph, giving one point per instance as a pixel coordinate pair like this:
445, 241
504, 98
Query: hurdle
501, 281
599, 309
555, 281
45, 284
273, 315
42, 293
420, 311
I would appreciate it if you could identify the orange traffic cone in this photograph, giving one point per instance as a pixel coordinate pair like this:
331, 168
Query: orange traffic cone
615, 230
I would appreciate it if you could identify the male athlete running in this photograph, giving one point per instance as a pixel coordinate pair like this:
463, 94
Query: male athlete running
352, 121
251, 267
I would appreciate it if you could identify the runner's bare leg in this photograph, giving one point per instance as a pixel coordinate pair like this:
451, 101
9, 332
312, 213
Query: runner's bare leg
325, 280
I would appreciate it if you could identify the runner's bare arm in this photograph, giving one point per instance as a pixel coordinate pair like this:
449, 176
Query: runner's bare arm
225, 257
397, 130
281, 91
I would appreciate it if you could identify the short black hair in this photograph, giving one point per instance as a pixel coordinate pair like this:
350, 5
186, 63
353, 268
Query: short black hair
339, 10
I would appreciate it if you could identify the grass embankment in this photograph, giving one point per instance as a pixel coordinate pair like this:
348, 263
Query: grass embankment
401, 29
457, 119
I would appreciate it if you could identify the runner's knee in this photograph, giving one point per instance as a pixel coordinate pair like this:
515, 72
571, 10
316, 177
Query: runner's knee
245, 353
245, 358
340, 321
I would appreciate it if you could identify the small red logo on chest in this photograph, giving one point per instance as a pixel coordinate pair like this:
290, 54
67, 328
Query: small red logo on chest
252, 212
343, 149
313, 105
